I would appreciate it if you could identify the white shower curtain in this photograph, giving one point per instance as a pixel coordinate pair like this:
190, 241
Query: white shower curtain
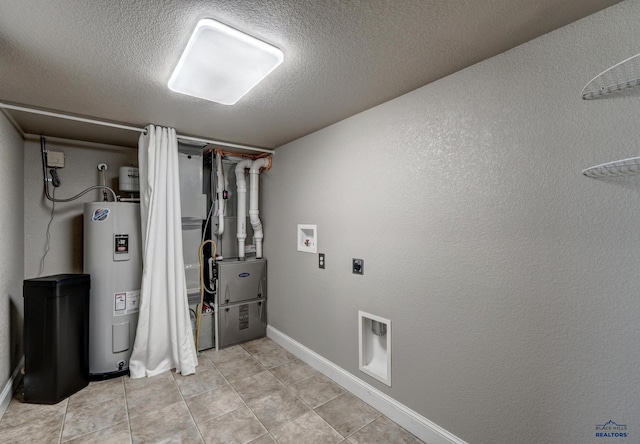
163, 339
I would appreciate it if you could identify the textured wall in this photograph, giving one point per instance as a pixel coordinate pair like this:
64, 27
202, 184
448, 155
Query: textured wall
79, 173
11, 262
510, 279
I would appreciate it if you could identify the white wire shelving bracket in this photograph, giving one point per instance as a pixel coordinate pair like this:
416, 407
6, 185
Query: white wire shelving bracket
618, 168
620, 77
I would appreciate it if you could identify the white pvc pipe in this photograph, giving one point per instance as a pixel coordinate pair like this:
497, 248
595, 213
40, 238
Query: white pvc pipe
241, 185
220, 194
254, 212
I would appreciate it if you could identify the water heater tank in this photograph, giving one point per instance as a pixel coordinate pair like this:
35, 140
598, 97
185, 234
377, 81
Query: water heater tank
112, 256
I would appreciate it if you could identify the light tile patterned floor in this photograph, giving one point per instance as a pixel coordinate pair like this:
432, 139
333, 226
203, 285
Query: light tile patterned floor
254, 393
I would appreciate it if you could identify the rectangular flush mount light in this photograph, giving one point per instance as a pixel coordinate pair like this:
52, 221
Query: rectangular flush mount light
222, 64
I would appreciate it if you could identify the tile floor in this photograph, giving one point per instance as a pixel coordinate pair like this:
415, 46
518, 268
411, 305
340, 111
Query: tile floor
254, 393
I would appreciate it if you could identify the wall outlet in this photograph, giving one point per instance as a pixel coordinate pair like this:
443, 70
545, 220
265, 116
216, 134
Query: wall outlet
357, 266
321, 260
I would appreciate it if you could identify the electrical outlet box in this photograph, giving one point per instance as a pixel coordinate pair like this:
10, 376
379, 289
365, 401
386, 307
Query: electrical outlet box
55, 159
357, 266
321, 260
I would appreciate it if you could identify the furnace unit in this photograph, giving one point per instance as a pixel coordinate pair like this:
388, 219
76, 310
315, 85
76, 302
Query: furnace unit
242, 301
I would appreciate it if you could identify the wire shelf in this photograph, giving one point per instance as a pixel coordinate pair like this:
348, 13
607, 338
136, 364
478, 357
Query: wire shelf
618, 168
619, 77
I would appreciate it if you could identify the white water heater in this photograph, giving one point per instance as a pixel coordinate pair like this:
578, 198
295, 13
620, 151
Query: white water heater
113, 258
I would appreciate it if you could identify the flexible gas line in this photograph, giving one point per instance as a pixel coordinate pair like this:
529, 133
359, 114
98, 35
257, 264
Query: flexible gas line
202, 288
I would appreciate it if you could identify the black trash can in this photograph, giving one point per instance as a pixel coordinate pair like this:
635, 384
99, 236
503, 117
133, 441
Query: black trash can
56, 337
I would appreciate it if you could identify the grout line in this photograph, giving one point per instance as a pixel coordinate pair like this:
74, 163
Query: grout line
126, 406
243, 401
271, 370
285, 385
64, 420
184, 401
102, 428
314, 409
367, 424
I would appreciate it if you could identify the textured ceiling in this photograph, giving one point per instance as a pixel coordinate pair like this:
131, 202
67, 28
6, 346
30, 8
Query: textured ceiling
112, 59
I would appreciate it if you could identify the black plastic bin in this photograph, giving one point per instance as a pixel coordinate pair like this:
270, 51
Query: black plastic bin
56, 337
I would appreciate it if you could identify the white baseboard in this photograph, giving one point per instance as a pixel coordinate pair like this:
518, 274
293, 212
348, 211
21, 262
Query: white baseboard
420, 426
10, 387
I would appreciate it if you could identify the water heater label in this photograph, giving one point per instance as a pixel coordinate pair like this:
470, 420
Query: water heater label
100, 214
126, 302
121, 247
121, 244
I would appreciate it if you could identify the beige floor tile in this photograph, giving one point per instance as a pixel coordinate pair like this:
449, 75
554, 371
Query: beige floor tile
116, 434
237, 427
260, 344
44, 430
276, 409
98, 392
87, 418
257, 386
293, 372
239, 368
19, 413
317, 390
145, 383
347, 414
264, 439
226, 354
270, 358
232, 398
137, 405
189, 436
204, 362
205, 379
159, 424
213, 403
147, 396
308, 429
383, 431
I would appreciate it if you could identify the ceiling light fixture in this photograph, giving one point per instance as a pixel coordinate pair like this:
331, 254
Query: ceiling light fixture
222, 64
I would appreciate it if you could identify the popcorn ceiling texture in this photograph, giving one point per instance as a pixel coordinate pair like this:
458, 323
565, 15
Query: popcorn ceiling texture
510, 279
113, 59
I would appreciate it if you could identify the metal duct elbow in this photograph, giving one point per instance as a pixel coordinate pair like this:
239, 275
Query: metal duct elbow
254, 191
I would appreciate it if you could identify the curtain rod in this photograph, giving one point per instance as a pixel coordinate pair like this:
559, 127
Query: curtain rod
126, 127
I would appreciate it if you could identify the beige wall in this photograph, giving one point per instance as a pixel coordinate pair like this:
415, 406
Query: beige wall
79, 173
511, 280
11, 262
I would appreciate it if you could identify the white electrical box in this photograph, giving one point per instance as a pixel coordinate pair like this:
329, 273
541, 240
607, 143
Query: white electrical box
55, 159
308, 238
